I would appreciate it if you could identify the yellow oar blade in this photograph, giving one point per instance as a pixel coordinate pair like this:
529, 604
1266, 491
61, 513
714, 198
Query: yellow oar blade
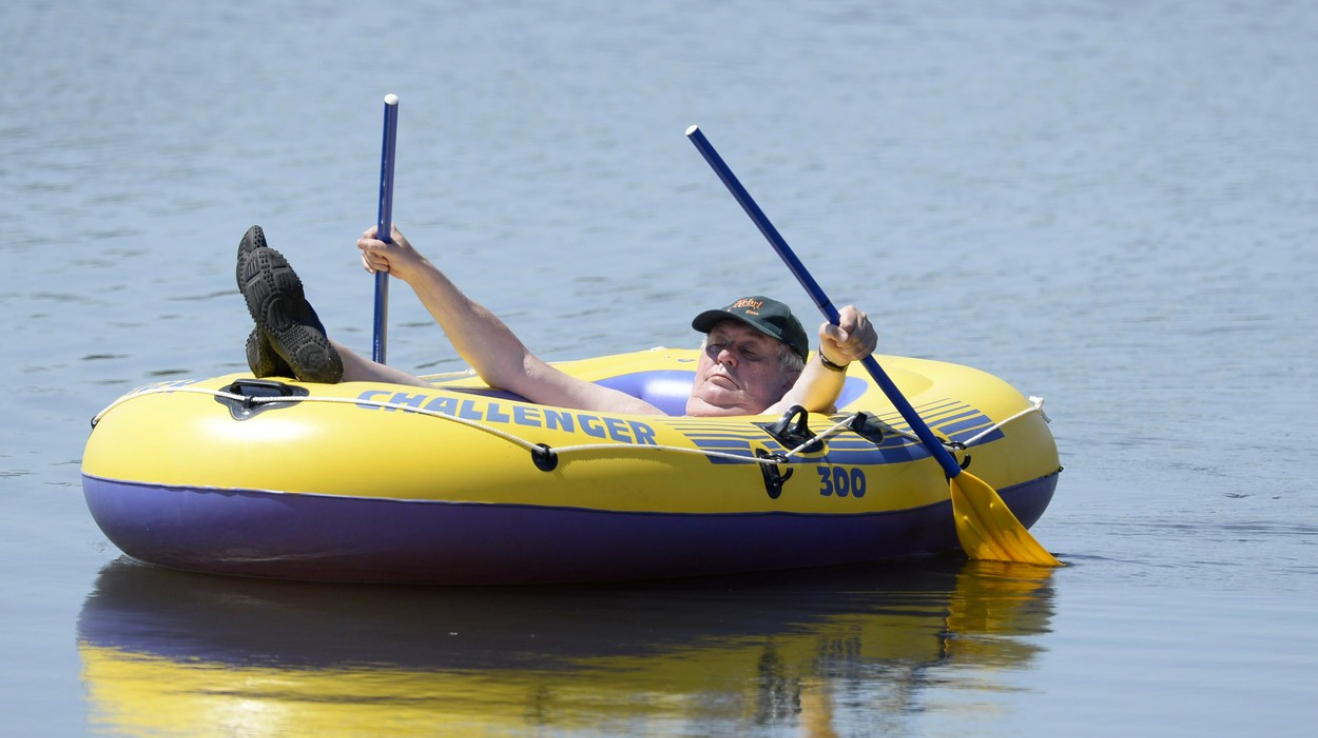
988, 529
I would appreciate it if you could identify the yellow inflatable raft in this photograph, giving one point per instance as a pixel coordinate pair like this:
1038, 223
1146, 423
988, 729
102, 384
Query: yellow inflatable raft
463, 484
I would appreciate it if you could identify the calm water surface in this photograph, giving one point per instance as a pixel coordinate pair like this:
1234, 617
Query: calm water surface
1112, 205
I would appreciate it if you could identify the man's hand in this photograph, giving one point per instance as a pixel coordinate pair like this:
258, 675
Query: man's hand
397, 258
851, 340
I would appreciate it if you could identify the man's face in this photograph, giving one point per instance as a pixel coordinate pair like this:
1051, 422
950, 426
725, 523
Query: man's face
738, 374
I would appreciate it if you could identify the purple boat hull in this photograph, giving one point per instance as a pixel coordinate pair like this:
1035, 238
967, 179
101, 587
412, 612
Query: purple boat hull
349, 539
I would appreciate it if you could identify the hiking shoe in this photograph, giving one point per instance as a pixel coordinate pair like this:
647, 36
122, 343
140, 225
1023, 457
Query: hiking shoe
262, 359
276, 302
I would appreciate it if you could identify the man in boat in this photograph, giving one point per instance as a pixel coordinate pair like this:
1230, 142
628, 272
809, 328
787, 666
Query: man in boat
755, 358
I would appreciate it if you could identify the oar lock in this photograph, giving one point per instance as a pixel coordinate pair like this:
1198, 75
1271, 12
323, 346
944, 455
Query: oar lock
954, 447
792, 432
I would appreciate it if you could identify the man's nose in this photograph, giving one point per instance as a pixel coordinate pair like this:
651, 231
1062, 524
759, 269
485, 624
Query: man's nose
725, 356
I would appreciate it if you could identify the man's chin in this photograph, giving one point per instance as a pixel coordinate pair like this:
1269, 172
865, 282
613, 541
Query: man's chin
714, 404
705, 410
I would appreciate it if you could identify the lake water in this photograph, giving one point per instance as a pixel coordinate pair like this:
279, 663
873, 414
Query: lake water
1112, 205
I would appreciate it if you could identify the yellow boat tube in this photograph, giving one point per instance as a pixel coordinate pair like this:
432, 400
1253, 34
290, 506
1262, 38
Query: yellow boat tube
462, 484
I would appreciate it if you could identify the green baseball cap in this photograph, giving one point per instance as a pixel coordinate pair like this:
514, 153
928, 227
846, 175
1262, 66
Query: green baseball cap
766, 315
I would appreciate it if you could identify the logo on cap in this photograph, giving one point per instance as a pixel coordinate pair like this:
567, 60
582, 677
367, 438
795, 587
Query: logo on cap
749, 304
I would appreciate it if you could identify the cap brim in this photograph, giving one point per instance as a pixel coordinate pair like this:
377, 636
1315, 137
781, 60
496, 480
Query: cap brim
706, 321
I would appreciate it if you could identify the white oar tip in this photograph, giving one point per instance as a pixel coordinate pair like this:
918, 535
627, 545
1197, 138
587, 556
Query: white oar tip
391, 99
692, 130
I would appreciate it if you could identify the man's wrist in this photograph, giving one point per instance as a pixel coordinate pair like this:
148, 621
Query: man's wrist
830, 365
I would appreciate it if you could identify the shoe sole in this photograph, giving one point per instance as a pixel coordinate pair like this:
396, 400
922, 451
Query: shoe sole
252, 240
277, 303
261, 356
262, 359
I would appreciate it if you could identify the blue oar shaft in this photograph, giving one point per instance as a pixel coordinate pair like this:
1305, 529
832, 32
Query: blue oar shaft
762, 221
913, 419
384, 225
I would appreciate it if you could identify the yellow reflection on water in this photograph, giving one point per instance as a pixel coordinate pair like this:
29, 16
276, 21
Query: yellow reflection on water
166, 653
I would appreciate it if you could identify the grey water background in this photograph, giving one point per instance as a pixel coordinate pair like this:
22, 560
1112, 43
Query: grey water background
1112, 205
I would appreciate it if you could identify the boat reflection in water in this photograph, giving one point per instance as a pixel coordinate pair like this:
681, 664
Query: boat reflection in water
811, 652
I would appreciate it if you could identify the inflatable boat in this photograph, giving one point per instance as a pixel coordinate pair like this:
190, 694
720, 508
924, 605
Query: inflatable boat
463, 484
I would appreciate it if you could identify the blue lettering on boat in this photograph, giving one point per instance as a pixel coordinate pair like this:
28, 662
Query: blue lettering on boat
620, 430
558, 419
446, 405
370, 396
526, 415
644, 434
617, 429
402, 398
590, 426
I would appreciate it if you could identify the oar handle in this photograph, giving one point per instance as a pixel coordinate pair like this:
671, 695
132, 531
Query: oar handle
384, 225
913, 419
